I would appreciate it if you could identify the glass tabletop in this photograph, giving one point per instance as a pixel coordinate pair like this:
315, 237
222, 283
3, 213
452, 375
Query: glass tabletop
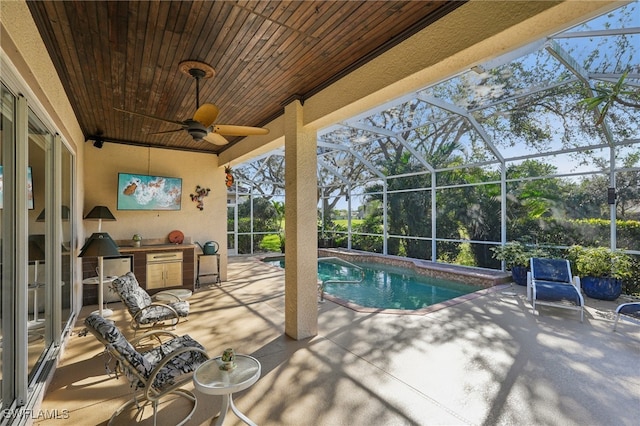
210, 379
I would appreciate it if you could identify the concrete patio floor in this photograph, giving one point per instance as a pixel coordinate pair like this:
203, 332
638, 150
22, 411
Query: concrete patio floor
487, 361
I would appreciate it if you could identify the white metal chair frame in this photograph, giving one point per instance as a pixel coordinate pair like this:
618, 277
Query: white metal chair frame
150, 386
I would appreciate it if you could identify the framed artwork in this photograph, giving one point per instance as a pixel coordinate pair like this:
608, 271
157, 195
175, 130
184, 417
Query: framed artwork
30, 202
144, 192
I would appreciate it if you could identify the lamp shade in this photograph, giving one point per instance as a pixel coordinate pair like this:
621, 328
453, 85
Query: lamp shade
36, 247
99, 244
66, 214
100, 213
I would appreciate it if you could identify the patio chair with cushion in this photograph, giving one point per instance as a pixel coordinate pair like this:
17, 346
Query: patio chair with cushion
155, 373
629, 311
551, 283
145, 313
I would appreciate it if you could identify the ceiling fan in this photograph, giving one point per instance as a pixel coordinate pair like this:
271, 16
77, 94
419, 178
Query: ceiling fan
202, 126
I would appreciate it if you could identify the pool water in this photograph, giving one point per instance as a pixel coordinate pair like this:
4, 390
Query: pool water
385, 286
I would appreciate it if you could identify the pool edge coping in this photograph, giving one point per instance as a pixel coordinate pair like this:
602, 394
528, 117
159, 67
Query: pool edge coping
491, 285
419, 312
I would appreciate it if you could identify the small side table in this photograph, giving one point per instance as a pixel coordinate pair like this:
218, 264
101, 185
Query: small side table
217, 274
209, 379
106, 312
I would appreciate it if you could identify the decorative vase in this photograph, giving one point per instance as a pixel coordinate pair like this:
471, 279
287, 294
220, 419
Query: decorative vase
603, 288
136, 243
519, 275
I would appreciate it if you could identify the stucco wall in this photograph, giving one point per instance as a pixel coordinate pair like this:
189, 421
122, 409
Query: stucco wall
101, 181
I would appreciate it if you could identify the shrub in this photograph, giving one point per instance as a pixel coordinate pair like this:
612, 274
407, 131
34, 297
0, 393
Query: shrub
601, 262
517, 254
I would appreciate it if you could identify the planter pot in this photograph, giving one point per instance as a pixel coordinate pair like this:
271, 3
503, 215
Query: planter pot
519, 275
601, 288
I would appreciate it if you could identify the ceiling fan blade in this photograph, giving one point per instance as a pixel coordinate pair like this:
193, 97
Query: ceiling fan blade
231, 130
179, 123
216, 139
206, 114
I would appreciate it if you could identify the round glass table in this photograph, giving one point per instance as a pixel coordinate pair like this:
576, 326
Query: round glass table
211, 380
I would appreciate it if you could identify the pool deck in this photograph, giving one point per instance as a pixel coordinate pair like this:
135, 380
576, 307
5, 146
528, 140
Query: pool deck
488, 361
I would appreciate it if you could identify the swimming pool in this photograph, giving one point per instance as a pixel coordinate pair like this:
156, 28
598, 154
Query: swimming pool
383, 286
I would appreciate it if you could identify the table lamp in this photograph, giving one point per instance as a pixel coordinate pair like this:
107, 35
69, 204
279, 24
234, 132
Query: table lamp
100, 245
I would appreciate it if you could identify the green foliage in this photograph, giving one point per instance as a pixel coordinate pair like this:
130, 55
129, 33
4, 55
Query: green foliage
631, 285
343, 222
600, 262
270, 243
517, 254
371, 224
278, 206
465, 256
606, 95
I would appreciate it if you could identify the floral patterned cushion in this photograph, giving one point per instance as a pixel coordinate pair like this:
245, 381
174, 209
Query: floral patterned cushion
133, 296
185, 363
144, 363
136, 299
107, 332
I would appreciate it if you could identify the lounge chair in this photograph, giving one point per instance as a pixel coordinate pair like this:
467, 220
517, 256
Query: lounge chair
629, 311
145, 313
551, 283
155, 373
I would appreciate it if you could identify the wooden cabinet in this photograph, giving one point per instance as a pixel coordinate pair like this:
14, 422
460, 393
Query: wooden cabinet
175, 271
164, 270
154, 270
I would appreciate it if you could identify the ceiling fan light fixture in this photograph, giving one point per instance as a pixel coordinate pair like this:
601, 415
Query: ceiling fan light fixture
196, 130
198, 134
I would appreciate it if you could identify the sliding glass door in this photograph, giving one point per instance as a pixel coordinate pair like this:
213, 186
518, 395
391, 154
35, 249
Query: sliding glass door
7, 140
39, 281
37, 241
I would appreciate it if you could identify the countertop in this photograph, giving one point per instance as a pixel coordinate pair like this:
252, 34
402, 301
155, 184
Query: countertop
157, 247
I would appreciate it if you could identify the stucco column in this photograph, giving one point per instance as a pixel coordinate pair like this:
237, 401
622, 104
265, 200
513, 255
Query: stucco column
301, 239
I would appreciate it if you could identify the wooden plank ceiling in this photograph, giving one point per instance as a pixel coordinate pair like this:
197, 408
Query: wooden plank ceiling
125, 54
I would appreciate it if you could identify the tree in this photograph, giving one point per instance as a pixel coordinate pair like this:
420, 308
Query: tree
608, 95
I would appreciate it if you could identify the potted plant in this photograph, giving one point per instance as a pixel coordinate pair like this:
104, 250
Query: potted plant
601, 270
516, 257
137, 240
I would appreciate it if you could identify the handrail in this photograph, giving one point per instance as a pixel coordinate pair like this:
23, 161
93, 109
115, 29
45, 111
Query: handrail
333, 258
